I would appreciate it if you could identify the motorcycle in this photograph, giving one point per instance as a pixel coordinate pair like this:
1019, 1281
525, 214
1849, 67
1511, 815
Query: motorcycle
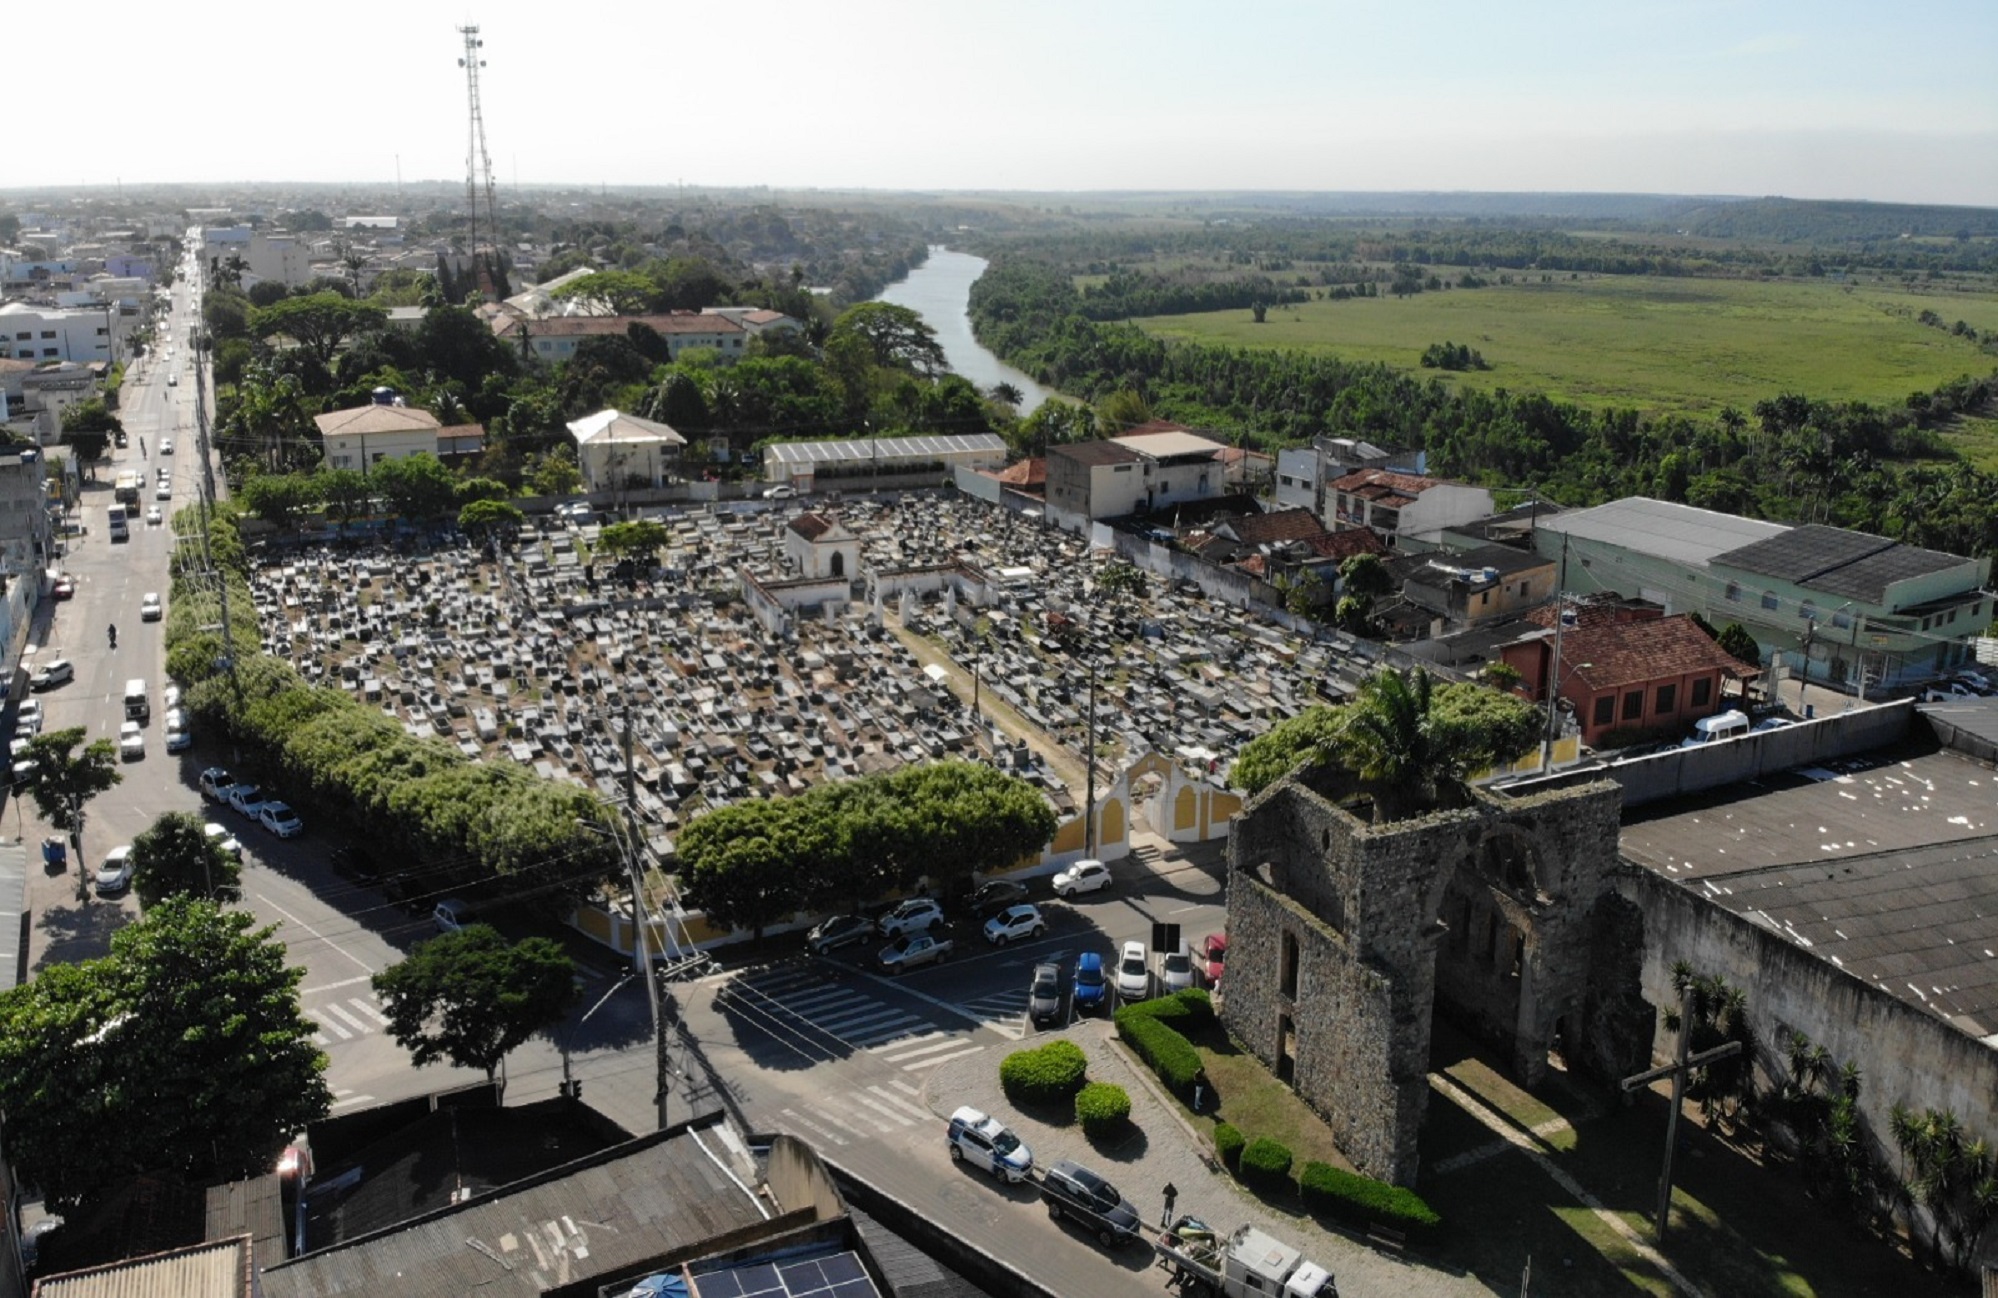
113, 633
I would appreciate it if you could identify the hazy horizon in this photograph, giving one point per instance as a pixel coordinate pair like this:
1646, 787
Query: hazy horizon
1813, 101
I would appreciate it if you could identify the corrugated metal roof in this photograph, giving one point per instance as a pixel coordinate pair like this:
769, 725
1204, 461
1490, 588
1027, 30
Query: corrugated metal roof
886, 450
215, 1270
1850, 565
1660, 528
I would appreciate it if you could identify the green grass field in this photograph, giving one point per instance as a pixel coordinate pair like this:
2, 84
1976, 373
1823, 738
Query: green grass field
1653, 344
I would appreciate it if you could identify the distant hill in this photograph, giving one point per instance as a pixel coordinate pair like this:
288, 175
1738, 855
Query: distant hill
1790, 220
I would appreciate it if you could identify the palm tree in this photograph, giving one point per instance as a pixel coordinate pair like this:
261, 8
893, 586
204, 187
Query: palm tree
1006, 394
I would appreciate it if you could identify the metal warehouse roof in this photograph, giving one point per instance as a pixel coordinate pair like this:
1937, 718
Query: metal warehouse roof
1851, 565
890, 449
1679, 533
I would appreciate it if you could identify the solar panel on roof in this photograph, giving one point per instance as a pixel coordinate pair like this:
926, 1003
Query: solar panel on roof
835, 1275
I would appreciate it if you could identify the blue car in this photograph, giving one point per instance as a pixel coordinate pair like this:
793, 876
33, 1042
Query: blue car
1089, 984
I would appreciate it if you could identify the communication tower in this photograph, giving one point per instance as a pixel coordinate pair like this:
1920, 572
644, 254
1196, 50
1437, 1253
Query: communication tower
478, 162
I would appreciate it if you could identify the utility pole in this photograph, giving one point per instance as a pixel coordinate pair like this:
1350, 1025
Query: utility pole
1677, 1070
228, 661
1089, 805
1553, 684
641, 935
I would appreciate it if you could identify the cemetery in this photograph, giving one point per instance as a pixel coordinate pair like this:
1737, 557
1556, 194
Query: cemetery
747, 665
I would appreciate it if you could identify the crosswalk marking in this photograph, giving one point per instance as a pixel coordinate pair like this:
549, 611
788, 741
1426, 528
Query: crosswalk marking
347, 1099
804, 1121
878, 1107
928, 1043
934, 1060
351, 1019
902, 1105
338, 1021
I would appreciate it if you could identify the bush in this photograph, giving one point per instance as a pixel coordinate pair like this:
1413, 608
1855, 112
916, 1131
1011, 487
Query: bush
1228, 1144
1265, 1165
1360, 1202
1196, 1010
1048, 1075
1102, 1109
1164, 1051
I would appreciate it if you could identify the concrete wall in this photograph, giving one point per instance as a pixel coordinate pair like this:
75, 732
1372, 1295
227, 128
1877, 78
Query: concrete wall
1735, 761
1905, 1056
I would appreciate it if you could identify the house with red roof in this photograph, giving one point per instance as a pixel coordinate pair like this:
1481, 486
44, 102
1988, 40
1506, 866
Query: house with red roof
1403, 504
1647, 675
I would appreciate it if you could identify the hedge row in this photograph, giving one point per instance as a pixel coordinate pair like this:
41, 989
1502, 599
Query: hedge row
420, 803
1164, 1051
1228, 1145
1047, 1075
1103, 1109
1360, 1201
1265, 1165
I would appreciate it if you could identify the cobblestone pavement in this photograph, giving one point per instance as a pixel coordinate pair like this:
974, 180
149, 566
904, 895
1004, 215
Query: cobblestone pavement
1165, 1150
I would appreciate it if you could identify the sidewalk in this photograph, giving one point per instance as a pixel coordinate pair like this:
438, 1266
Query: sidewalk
1163, 1150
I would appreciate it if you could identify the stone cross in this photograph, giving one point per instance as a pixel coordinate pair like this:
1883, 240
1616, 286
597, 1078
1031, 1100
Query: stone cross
1678, 1070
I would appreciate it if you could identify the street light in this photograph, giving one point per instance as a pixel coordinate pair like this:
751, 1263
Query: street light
571, 1088
642, 948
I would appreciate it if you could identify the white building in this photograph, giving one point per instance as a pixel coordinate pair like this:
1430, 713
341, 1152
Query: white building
1131, 475
30, 333
555, 338
281, 257
755, 320
820, 546
1398, 504
617, 450
801, 464
364, 436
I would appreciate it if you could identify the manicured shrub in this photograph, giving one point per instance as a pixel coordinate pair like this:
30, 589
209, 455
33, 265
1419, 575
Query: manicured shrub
1196, 1009
1102, 1109
1228, 1144
1359, 1201
1048, 1075
1164, 1051
1265, 1165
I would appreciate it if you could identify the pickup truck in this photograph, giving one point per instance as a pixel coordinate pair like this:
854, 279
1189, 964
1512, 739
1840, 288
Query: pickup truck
911, 950
1250, 1263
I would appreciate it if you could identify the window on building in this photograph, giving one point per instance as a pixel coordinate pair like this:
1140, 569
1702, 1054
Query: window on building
1633, 705
1703, 692
48, 333
26, 335
1769, 600
101, 331
1668, 699
1288, 970
51, 351
1605, 710
1808, 610
1841, 619
1484, 598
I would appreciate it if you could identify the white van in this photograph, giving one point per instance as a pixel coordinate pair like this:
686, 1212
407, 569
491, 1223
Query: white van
138, 705
1732, 724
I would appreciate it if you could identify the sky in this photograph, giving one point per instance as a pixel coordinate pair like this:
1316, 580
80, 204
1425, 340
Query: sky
1802, 98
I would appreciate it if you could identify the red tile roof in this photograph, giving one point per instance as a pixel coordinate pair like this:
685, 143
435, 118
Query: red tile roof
1027, 473
1282, 525
813, 526
1384, 485
1617, 654
1346, 544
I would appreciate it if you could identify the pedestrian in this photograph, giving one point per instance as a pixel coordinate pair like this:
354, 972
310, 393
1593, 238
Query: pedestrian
1171, 1193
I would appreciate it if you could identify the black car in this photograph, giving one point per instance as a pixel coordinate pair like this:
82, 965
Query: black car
997, 895
1073, 1191
837, 931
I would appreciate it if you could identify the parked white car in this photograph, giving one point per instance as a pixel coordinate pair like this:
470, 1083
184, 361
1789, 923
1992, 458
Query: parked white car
1134, 975
131, 742
989, 1146
280, 819
115, 873
1083, 876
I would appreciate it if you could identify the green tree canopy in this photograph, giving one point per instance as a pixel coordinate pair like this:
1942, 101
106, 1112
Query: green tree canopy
64, 781
1736, 640
181, 1052
1308, 737
1366, 574
639, 538
417, 488
280, 499
486, 521
896, 338
554, 474
470, 997
346, 493
624, 292
175, 857
87, 426
318, 322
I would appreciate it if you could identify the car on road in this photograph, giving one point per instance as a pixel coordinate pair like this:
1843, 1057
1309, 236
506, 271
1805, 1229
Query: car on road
912, 951
1175, 971
246, 799
1074, 1192
150, 608
29, 712
56, 671
178, 737
153, 518
1768, 724
1044, 993
451, 915
984, 1142
996, 895
1083, 876
1950, 692
114, 874
1134, 975
1015, 921
166, 443
222, 838
1213, 959
64, 588
836, 931
164, 491
280, 819
780, 492
915, 914
215, 783
131, 742
1089, 983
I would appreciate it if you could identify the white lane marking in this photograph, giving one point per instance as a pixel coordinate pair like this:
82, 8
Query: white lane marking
879, 1125
333, 987
902, 1105
936, 1044
804, 1121
290, 918
334, 1028
832, 1117
353, 1099
368, 1008
893, 1114
934, 1060
351, 1020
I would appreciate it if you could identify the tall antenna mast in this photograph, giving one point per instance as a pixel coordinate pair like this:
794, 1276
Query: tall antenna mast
478, 162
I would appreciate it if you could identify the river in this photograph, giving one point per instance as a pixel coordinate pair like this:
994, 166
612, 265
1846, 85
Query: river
939, 291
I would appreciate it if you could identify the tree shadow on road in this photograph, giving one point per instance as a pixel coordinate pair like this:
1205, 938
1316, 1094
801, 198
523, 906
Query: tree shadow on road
79, 931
